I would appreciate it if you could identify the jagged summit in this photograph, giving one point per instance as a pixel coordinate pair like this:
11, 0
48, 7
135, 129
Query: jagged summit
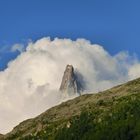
70, 84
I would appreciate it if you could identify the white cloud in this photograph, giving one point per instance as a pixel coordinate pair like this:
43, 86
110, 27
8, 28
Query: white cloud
134, 72
30, 83
17, 47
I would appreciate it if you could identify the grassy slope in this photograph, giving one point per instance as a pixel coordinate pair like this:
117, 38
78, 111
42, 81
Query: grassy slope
49, 125
1, 136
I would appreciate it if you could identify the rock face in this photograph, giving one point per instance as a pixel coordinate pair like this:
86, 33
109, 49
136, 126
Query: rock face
70, 84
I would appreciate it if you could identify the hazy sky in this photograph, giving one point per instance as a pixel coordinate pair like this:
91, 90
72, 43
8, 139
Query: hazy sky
111, 23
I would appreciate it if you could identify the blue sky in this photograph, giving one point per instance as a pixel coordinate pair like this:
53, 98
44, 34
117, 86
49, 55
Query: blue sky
115, 24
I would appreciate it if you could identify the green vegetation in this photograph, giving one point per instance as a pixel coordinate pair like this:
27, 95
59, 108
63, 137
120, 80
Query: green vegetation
111, 115
121, 122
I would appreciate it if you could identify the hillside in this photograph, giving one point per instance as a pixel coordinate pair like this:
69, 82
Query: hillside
109, 115
1, 136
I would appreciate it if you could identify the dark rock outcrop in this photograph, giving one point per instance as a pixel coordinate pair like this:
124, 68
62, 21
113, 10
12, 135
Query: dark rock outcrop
70, 84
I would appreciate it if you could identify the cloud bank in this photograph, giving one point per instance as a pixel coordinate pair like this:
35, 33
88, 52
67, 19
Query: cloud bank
30, 83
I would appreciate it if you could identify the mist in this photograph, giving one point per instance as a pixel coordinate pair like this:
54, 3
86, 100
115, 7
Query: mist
30, 84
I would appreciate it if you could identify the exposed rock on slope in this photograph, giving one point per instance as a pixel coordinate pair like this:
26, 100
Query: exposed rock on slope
70, 84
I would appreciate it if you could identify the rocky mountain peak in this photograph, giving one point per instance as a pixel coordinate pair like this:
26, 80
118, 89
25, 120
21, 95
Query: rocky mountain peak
70, 84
